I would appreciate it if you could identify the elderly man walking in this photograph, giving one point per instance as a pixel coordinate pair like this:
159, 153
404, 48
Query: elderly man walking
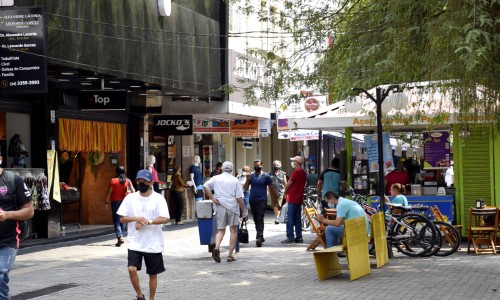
228, 199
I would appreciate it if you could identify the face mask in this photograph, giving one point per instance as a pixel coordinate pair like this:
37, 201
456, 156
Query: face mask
331, 205
276, 168
143, 188
293, 165
257, 169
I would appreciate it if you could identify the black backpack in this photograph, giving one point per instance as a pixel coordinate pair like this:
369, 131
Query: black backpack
9, 178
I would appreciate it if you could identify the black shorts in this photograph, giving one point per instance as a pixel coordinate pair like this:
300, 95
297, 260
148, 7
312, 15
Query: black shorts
153, 261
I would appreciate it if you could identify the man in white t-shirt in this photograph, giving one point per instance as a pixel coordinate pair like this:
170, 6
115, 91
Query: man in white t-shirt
228, 200
144, 211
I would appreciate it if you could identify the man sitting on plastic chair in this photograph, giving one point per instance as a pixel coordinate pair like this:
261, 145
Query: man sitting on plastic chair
346, 210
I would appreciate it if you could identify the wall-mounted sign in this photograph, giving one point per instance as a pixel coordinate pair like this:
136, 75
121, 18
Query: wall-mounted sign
173, 125
436, 149
211, 126
22, 51
265, 127
102, 100
304, 135
283, 124
311, 104
283, 135
248, 128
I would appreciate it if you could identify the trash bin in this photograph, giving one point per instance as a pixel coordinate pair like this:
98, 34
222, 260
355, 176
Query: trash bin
206, 222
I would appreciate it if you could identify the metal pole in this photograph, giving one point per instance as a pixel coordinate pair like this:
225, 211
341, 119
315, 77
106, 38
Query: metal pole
379, 99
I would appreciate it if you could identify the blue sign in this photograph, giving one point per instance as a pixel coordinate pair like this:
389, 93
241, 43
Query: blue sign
371, 144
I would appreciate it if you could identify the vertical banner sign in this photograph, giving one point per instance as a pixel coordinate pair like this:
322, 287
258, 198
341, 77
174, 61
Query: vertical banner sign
264, 127
371, 144
436, 149
53, 174
22, 51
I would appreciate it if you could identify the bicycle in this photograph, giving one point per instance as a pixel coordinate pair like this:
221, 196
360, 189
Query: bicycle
412, 234
310, 200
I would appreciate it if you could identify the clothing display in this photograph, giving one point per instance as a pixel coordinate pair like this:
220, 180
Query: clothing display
37, 184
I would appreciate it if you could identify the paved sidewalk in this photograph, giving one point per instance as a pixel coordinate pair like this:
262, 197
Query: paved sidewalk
94, 267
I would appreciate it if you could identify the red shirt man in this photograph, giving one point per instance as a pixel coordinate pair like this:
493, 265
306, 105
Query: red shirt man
294, 191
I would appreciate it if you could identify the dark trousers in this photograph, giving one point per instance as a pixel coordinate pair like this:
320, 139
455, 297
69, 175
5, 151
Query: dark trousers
258, 208
178, 205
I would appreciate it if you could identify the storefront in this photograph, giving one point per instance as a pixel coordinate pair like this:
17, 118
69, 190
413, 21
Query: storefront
472, 148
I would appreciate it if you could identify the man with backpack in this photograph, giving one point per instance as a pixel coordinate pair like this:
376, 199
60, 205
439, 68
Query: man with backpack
15, 206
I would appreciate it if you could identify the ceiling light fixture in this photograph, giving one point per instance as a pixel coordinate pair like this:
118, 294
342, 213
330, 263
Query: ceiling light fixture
92, 78
135, 86
67, 73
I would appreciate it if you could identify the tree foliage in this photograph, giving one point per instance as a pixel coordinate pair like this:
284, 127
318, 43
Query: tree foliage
452, 43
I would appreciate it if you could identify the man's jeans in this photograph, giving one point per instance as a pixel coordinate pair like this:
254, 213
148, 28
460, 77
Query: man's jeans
293, 219
333, 234
7, 258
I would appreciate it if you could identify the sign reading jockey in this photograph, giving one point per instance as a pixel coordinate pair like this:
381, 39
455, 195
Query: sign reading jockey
173, 125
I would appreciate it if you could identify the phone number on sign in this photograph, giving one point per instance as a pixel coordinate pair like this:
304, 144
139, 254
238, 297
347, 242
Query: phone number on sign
25, 82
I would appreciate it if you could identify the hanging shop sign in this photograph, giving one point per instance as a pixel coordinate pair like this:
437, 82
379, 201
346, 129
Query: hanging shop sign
436, 149
304, 135
102, 100
211, 126
22, 51
283, 135
283, 124
311, 104
371, 144
173, 125
245, 128
264, 127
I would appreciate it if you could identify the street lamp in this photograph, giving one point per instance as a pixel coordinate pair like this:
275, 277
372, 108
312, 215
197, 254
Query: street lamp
381, 94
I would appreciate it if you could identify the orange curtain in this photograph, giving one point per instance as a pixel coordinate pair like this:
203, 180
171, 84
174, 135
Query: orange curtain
79, 135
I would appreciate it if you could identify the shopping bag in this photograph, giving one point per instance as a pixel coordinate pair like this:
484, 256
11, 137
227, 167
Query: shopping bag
283, 211
243, 232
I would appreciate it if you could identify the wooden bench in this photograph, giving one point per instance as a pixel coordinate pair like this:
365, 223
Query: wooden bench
355, 246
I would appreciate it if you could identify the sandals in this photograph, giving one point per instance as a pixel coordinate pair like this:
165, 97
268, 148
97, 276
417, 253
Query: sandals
180, 223
231, 258
216, 255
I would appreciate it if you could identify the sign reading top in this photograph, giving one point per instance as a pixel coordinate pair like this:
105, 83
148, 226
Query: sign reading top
22, 51
173, 125
102, 100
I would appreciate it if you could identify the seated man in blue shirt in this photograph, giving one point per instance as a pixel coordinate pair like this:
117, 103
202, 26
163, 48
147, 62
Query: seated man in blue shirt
346, 210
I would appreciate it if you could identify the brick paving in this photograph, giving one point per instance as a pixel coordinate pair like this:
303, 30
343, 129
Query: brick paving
93, 267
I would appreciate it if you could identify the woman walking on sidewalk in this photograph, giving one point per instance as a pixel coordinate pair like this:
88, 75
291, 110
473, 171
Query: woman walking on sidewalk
178, 186
119, 187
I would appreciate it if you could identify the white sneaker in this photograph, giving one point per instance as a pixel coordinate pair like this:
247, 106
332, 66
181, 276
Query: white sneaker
277, 221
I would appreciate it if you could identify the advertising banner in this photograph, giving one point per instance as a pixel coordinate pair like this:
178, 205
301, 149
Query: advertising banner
371, 144
172, 125
436, 149
245, 128
211, 126
304, 135
22, 51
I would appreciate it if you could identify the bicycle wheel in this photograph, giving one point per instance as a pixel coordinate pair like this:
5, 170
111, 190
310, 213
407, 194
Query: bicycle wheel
450, 238
304, 220
413, 235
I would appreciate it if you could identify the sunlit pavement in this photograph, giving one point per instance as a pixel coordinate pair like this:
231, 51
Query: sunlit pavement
95, 267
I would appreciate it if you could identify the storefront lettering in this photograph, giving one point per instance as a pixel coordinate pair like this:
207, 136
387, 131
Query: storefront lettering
361, 122
172, 122
101, 100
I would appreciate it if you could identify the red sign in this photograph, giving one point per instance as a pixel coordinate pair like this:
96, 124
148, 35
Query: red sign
311, 104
